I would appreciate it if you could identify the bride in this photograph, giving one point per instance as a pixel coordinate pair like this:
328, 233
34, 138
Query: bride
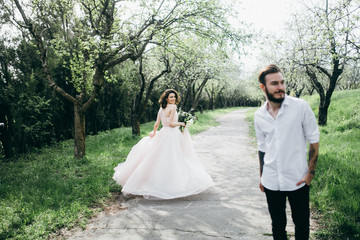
163, 165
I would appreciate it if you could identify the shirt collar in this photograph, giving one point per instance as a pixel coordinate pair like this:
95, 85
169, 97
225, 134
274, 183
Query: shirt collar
286, 100
283, 104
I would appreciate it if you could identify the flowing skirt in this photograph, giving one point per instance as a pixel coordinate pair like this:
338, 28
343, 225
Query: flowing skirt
163, 167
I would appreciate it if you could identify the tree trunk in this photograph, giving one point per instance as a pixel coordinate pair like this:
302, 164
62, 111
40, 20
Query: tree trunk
136, 112
5, 132
197, 92
139, 104
323, 106
188, 99
135, 118
322, 118
79, 133
211, 95
212, 104
135, 125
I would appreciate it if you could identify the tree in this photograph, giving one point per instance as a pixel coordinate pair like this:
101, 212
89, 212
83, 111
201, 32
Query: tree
213, 91
227, 80
352, 76
193, 65
24, 101
6, 98
146, 84
90, 38
323, 49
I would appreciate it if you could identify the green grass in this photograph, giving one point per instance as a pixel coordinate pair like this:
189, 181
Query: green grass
336, 189
44, 191
335, 192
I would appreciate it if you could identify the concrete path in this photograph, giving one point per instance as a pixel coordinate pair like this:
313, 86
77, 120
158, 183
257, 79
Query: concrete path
234, 208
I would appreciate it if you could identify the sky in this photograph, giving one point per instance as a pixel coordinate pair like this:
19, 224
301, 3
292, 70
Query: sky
269, 15
266, 16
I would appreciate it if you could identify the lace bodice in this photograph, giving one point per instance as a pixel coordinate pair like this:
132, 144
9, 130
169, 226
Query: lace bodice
165, 121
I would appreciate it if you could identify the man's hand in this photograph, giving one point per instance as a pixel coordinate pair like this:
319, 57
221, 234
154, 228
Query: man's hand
306, 179
261, 161
261, 187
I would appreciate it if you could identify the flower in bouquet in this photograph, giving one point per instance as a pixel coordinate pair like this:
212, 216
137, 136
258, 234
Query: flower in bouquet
187, 118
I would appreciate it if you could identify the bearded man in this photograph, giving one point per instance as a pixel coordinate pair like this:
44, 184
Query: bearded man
284, 126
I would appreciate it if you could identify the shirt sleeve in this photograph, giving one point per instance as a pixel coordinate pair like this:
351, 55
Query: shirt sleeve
310, 126
260, 136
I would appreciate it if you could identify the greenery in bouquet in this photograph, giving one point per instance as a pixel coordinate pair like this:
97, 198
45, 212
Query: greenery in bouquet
186, 117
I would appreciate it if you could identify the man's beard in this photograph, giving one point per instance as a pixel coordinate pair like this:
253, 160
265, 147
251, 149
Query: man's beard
272, 98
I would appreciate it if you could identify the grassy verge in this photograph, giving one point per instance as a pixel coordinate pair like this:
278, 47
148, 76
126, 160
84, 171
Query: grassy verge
335, 192
336, 189
49, 189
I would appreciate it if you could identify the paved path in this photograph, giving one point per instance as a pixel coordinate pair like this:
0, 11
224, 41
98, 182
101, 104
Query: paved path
234, 208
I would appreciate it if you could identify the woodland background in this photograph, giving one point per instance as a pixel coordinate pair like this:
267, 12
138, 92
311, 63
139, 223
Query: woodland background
94, 70
73, 68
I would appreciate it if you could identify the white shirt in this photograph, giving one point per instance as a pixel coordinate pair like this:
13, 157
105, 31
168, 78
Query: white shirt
284, 141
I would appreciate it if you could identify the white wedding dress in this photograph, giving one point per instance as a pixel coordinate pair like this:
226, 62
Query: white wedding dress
164, 166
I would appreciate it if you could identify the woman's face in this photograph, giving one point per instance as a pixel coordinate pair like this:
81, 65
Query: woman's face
171, 99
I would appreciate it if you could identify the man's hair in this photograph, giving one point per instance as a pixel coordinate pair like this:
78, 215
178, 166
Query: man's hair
272, 68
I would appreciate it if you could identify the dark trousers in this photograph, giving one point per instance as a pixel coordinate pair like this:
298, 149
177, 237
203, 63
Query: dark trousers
300, 212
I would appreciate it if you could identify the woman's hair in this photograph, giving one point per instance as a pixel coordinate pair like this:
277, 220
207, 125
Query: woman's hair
267, 70
165, 95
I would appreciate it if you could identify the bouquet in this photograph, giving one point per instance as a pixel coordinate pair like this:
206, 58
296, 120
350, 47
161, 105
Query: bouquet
187, 118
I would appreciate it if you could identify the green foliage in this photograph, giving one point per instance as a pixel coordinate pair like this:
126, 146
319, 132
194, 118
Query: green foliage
28, 107
78, 57
48, 190
35, 118
85, 45
250, 118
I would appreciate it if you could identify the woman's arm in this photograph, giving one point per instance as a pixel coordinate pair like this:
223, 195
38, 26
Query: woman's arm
174, 123
156, 125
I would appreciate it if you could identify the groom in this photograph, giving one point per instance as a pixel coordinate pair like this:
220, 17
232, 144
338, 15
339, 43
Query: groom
284, 125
